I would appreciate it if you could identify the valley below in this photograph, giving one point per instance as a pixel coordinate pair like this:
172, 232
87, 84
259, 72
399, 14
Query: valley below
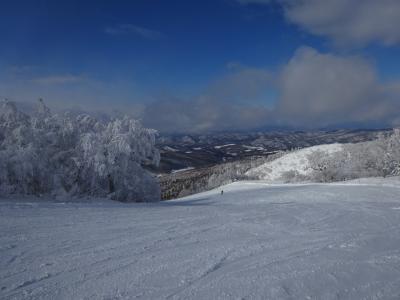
195, 163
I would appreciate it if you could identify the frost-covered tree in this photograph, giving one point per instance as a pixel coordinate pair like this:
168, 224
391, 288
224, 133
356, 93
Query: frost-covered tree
58, 154
392, 154
380, 157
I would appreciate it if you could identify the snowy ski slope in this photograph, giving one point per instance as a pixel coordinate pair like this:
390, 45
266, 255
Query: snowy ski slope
257, 241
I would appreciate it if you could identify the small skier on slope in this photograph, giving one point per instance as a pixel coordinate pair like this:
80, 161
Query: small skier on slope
222, 192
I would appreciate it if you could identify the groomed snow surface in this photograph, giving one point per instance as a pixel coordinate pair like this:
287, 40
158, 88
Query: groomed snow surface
256, 241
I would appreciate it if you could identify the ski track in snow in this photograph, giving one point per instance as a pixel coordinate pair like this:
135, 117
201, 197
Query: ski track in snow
257, 241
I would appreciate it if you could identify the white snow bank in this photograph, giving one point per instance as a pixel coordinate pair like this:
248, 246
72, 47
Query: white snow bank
182, 170
293, 161
223, 146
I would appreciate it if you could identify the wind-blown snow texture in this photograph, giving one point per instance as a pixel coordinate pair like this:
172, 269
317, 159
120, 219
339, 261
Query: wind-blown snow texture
256, 241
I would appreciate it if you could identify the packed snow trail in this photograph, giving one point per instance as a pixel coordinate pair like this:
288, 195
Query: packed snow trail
256, 241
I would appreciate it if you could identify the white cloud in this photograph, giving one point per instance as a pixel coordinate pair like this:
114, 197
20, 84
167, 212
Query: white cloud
348, 22
227, 104
324, 89
136, 30
312, 90
64, 91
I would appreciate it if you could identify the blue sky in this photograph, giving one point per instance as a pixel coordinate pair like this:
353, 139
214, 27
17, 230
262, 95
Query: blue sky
197, 39
135, 55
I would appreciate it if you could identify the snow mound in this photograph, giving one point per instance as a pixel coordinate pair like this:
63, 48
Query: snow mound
296, 161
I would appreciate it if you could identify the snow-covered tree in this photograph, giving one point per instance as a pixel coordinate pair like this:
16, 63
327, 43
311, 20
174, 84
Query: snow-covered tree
380, 157
58, 154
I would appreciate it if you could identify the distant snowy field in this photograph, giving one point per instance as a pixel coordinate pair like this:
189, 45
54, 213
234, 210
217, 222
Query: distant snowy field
257, 241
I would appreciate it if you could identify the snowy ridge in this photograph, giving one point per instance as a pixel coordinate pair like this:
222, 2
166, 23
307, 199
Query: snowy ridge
294, 161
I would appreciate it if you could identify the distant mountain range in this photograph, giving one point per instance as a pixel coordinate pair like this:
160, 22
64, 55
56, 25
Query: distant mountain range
180, 152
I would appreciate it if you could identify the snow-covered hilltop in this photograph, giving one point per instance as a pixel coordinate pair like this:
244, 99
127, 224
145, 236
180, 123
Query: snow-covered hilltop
256, 241
335, 162
295, 161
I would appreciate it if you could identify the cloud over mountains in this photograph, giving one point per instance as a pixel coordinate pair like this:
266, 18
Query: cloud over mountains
313, 89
